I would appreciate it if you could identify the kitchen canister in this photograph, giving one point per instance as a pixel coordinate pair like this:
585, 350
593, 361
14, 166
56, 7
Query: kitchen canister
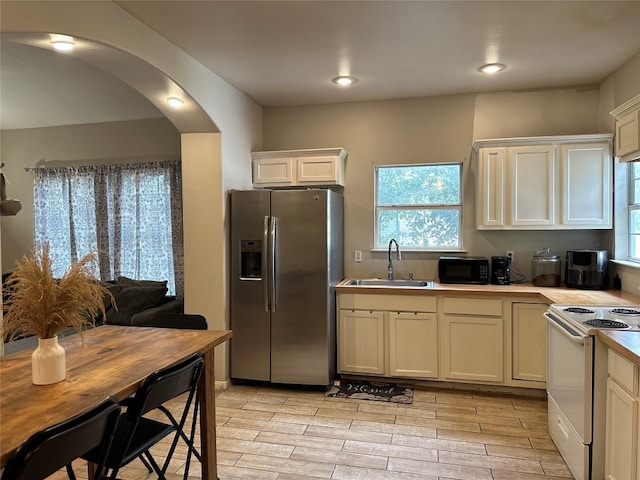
545, 268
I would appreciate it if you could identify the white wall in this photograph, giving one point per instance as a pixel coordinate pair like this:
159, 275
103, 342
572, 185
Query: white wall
433, 129
237, 117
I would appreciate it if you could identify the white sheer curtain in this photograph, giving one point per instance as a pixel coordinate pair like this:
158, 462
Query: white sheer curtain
130, 213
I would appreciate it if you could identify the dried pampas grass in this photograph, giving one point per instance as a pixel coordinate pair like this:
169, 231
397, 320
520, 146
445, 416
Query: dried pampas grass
40, 304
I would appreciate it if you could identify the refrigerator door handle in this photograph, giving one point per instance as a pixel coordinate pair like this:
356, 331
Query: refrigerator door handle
272, 261
265, 272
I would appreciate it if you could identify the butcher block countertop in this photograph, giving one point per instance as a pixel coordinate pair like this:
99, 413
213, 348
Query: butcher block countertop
562, 295
626, 344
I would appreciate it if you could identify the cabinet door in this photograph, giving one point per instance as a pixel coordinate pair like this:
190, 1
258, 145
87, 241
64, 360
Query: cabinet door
273, 171
473, 348
318, 170
621, 433
413, 345
529, 342
627, 137
361, 342
586, 185
490, 201
532, 186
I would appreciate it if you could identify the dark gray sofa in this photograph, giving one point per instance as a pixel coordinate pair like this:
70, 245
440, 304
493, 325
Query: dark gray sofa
140, 303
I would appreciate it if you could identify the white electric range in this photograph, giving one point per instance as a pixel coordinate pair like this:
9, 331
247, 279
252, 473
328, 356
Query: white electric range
588, 319
577, 378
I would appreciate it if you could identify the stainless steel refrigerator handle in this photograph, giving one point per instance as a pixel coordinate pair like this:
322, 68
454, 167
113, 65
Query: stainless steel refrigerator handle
272, 261
265, 273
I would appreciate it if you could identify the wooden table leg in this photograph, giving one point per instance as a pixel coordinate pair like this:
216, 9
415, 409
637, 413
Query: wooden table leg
207, 395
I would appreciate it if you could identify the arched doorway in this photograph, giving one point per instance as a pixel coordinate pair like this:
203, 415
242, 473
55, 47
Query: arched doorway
143, 59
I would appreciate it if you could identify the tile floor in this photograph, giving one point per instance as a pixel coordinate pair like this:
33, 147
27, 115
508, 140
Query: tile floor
292, 434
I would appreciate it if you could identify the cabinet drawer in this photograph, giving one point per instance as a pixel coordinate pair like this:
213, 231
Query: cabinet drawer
472, 306
623, 371
393, 303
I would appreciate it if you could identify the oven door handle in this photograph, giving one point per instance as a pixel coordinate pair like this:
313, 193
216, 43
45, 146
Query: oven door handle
565, 329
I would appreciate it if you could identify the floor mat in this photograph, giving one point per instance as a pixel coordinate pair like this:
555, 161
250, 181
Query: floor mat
378, 391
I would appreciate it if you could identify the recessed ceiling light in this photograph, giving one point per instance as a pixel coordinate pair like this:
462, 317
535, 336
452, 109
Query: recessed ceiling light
345, 80
175, 102
62, 45
492, 67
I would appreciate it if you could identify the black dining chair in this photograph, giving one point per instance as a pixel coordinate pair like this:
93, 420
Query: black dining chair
191, 321
55, 447
137, 434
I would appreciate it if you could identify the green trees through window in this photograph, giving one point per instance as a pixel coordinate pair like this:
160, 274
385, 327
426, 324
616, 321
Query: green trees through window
419, 205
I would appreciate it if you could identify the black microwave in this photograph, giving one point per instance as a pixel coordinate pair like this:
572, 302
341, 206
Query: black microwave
464, 270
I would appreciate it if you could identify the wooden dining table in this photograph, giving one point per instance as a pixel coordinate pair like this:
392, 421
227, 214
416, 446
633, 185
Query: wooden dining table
103, 361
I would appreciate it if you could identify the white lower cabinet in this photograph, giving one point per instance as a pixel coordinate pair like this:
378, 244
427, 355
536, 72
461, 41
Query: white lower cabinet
472, 349
472, 339
361, 344
529, 342
621, 443
413, 345
383, 342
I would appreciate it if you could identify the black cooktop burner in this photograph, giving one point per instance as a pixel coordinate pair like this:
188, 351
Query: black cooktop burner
625, 311
577, 310
603, 323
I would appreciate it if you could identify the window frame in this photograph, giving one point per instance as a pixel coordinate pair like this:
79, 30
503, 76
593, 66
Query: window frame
426, 206
633, 205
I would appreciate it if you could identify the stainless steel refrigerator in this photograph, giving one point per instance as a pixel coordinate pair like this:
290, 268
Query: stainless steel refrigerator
286, 258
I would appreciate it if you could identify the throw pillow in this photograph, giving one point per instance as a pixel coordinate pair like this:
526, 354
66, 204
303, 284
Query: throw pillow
115, 290
132, 300
141, 283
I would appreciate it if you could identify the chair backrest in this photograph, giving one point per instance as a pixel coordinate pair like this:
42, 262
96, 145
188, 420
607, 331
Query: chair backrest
166, 384
51, 449
191, 321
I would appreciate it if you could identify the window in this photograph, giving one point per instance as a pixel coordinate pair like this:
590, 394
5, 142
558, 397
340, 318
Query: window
420, 206
634, 211
131, 214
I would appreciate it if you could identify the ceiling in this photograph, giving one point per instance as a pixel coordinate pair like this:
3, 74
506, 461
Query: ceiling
286, 53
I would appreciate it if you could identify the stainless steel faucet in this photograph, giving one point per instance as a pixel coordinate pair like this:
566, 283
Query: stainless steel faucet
398, 257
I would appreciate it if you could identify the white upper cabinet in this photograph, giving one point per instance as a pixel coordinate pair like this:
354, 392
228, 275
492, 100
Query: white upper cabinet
585, 170
627, 139
491, 186
293, 168
273, 171
531, 185
544, 183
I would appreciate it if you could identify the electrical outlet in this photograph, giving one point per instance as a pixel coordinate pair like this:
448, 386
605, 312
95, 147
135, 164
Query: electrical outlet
357, 256
511, 255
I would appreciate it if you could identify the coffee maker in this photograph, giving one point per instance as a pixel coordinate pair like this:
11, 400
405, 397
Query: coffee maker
500, 270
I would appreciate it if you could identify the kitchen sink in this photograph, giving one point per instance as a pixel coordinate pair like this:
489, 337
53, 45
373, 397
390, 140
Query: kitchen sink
384, 282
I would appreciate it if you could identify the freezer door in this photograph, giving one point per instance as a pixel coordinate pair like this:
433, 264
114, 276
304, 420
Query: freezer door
250, 318
303, 317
